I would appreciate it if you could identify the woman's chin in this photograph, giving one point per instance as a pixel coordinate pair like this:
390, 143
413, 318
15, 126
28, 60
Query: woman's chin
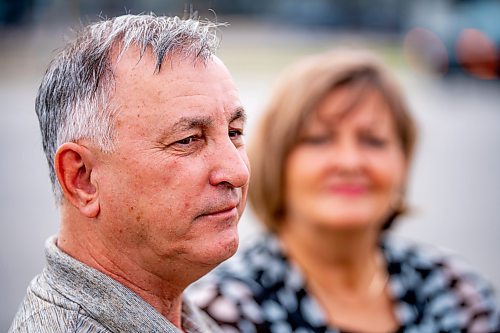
349, 222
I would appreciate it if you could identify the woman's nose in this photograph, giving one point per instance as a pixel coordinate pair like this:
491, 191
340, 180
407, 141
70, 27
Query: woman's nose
347, 155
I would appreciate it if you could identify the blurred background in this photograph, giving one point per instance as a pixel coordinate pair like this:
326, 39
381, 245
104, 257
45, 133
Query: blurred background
445, 53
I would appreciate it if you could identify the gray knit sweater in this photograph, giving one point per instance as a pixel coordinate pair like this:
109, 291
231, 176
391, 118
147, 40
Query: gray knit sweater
69, 296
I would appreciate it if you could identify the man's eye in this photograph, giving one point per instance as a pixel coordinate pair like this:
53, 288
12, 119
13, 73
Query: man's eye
234, 134
187, 141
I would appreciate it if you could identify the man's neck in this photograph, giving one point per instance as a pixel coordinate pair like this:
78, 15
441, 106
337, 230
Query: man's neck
165, 297
161, 292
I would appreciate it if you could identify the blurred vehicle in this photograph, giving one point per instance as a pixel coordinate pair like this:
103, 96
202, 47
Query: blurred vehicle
456, 37
14, 12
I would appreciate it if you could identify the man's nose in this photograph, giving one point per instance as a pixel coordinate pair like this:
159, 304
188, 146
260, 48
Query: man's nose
229, 166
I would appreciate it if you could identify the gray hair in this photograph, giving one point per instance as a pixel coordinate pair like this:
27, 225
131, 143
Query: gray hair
73, 98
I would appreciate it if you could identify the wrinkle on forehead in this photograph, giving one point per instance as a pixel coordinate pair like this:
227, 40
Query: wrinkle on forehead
142, 93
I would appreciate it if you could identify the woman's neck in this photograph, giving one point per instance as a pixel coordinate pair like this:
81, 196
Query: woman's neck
341, 259
345, 271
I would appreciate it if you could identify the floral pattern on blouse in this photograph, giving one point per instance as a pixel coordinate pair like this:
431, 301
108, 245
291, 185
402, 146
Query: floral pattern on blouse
259, 290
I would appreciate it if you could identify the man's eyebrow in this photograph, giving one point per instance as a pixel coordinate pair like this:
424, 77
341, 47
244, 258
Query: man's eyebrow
238, 113
186, 123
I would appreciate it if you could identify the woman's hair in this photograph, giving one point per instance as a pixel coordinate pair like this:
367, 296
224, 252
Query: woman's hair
294, 98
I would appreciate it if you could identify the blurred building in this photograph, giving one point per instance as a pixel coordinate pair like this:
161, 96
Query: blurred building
453, 36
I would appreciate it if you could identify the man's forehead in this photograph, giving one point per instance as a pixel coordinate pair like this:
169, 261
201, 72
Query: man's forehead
182, 92
191, 77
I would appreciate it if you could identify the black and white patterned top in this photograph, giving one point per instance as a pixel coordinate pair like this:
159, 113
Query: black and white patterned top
259, 290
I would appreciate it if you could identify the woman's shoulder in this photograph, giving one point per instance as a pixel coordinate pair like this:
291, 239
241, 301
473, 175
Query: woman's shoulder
437, 284
405, 256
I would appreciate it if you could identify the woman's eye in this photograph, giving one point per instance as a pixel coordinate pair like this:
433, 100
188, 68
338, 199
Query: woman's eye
374, 142
317, 139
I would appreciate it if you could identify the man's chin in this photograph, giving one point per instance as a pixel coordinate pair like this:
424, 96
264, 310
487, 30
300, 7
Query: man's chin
221, 249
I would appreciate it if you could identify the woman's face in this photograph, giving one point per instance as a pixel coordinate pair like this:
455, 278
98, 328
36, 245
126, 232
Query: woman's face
347, 170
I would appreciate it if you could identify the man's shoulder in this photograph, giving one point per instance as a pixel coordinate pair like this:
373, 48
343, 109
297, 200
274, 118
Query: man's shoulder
45, 310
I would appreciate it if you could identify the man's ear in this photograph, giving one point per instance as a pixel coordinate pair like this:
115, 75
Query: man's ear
74, 165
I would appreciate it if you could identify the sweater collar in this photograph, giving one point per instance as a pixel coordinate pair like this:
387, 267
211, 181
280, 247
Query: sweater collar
109, 302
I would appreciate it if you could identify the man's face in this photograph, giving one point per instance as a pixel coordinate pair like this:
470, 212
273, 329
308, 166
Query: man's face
173, 190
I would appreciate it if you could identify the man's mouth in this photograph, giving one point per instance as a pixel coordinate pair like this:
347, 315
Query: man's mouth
226, 211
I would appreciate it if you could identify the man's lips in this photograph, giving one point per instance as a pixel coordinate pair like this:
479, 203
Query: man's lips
222, 211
